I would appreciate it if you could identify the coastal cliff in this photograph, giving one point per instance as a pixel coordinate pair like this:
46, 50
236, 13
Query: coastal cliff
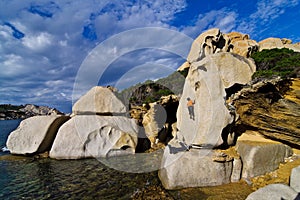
8, 111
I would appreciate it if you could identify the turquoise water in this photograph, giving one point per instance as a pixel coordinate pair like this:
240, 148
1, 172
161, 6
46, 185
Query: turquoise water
29, 178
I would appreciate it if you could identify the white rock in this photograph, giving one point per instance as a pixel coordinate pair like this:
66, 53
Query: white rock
99, 100
295, 179
206, 83
274, 192
193, 168
34, 134
260, 155
95, 136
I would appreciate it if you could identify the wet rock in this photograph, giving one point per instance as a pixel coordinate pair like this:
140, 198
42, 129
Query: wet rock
35, 134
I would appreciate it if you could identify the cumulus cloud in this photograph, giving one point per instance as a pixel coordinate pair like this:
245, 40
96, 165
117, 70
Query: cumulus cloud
43, 43
224, 19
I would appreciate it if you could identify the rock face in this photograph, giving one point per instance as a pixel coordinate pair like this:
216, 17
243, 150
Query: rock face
273, 191
154, 120
272, 108
207, 43
95, 136
241, 44
99, 100
260, 155
35, 134
206, 84
194, 168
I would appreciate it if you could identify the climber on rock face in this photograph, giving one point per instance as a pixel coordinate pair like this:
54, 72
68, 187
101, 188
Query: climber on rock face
190, 105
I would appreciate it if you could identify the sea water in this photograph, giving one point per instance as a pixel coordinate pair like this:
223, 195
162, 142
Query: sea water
30, 178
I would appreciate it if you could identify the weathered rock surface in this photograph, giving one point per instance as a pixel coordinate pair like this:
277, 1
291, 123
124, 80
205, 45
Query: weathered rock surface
193, 168
206, 84
272, 43
207, 43
99, 100
273, 191
272, 108
35, 134
154, 120
295, 179
241, 44
260, 155
95, 136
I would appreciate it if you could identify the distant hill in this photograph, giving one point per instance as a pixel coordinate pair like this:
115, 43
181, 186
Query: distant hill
151, 91
8, 111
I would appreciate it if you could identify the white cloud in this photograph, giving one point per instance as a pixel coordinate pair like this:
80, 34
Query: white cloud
223, 19
38, 42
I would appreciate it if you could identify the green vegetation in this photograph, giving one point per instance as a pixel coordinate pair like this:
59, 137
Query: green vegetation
7, 107
151, 91
276, 62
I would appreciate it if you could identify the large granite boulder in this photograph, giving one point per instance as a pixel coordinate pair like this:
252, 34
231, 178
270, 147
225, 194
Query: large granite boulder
34, 134
260, 155
86, 136
274, 192
205, 85
99, 100
193, 168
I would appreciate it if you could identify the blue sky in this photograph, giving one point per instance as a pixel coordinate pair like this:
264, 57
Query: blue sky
44, 44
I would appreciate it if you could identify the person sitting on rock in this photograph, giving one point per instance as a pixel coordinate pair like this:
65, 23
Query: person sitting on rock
190, 105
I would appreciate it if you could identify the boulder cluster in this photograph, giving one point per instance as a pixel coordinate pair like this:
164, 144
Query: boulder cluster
97, 127
196, 126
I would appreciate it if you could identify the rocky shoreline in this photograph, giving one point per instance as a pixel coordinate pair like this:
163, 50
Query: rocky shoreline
9, 112
226, 129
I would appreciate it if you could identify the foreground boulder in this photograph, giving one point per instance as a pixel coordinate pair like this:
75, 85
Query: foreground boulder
99, 100
205, 85
274, 191
260, 155
95, 136
193, 168
35, 134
